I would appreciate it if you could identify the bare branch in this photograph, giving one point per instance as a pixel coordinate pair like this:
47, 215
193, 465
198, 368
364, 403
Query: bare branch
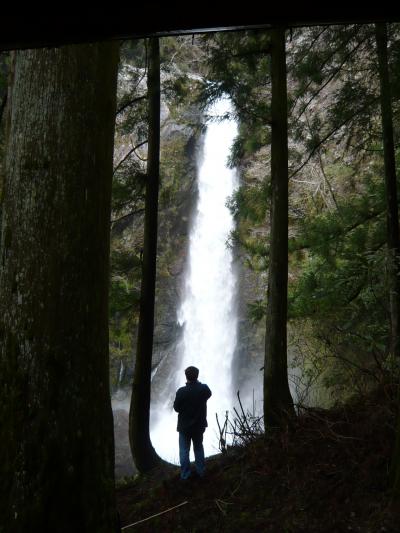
332, 132
309, 48
130, 214
131, 102
154, 515
128, 154
330, 78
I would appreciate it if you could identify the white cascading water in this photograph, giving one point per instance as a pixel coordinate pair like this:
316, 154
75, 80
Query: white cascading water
208, 312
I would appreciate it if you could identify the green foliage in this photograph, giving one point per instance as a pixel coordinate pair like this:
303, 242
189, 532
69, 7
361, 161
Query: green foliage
128, 190
334, 97
249, 141
250, 203
180, 80
180, 88
257, 310
341, 285
337, 274
172, 169
134, 52
182, 66
238, 66
124, 298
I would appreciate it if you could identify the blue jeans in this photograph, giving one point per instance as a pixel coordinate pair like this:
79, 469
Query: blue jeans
185, 440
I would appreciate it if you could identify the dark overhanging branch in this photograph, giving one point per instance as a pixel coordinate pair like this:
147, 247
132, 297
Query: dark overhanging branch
309, 48
332, 132
253, 116
350, 363
128, 154
250, 53
342, 45
137, 98
129, 307
370, 216
133, 200
145, 66
130, 103
144, 159
331, 77
344, 231
130, 214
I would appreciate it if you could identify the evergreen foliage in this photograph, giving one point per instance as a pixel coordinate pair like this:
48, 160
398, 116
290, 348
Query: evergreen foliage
338, 282
181, 69
338, 272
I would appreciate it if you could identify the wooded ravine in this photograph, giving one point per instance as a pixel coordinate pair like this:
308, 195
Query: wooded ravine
104, 160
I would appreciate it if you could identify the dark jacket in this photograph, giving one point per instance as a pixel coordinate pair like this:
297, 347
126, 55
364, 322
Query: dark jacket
191, 405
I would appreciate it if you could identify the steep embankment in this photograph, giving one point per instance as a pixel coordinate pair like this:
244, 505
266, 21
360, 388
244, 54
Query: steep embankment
328, 473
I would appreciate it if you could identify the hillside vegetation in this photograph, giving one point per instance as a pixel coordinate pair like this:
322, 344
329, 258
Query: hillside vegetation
327, 473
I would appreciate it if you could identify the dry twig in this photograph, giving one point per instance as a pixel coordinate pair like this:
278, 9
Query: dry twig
154, 515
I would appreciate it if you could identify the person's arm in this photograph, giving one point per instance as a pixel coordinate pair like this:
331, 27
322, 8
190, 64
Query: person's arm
207, 391
177, 402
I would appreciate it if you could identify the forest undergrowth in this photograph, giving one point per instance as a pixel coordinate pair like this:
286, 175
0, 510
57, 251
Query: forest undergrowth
329, 472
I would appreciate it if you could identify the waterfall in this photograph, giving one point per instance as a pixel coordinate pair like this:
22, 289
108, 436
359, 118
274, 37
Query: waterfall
207, 312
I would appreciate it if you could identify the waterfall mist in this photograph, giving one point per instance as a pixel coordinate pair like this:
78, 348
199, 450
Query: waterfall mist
207, 313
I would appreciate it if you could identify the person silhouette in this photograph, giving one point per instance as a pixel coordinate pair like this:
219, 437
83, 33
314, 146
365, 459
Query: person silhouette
191, 405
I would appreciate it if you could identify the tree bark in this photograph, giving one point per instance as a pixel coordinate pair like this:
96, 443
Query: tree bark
278, 403
392, 220
392, 216
144, 455
56, 427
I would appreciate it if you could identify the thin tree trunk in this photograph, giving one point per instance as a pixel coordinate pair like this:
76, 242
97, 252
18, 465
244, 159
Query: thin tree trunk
56, 427
143, 452
391, 188
392, 220
278, 404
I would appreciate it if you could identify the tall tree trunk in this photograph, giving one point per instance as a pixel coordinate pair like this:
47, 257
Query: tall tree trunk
56, 428
143, 452
392, 220
391, 188
278, 404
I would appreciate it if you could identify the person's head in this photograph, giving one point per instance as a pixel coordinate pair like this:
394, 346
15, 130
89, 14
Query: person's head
192, 373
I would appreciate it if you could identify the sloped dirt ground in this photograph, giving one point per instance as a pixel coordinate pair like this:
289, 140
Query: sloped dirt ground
328, 473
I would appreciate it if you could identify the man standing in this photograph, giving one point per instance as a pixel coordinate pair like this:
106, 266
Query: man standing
191, 405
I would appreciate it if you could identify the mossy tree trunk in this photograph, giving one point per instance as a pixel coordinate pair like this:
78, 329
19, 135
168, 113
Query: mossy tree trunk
392, 219
143, 452
278, 404
56, 428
